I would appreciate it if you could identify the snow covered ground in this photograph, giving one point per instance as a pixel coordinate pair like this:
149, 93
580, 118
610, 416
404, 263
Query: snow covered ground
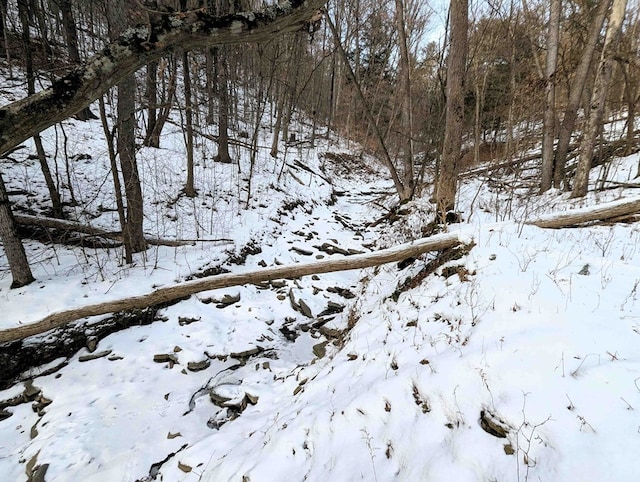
518, 361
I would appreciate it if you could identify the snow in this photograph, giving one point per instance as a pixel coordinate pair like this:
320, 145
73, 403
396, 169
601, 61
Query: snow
537, 329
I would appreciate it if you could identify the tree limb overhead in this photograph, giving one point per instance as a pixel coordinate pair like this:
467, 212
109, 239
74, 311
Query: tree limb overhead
137, 47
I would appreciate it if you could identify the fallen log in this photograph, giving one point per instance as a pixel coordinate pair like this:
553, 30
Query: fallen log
65, 225
188, 288
614, 209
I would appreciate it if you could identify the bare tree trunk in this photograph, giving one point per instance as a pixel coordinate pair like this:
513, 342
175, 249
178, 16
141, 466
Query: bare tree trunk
133, 234
153, 138
54, 195
117, 186
279, 97
447, 182
406, 108
13, 249
189, 188
222, 70
211, 87
152, 103
598, 100
549, 122
71, 36
578, 85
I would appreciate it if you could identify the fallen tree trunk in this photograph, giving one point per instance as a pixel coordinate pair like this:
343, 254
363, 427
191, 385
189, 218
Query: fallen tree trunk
614, 209
166, 294
64, 225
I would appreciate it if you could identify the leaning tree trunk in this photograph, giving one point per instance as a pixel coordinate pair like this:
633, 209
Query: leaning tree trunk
577, 89
447, 182
598, 100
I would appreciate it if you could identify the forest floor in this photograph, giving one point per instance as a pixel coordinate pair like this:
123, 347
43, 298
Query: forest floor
519, 360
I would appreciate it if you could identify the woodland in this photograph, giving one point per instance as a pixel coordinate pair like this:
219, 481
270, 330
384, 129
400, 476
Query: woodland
319, 240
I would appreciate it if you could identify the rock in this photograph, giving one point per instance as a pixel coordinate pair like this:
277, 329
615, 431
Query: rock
218, 399
344, 292
198, 366
493, 425
330, 332
187, 320
288, 333
251, 399
292, 300
304, 309
332, 249
303, 252
247, 353
227, 300
4, 414
278, 283
30, 391
332, 308
320, 349
92, 343
165, 358
39, 473
93, 356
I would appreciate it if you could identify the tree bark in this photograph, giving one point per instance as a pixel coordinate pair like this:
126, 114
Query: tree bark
189, 187
407, 107
549, 121
577, 89
126, 143
597, 105
66, 225
71, 36
13, 249
222, 71
610, 210
161, 295
447, 182
152, 104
